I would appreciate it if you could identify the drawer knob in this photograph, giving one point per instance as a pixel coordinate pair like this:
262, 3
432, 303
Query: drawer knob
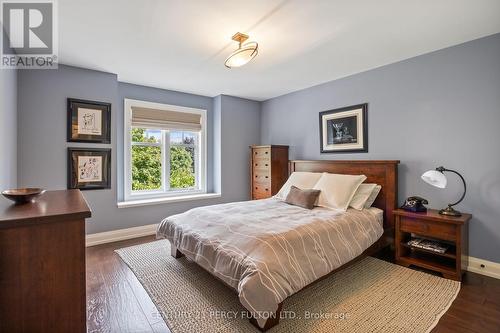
267, 176
266, 164
267, 152
267, 189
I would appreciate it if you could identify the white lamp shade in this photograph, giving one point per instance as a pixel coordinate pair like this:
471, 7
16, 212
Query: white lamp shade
435, 178
242, 55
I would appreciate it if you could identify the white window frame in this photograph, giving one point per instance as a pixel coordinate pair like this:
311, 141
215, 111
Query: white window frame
130, 195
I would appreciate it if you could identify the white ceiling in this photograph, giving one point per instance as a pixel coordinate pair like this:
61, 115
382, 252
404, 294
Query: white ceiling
182, 44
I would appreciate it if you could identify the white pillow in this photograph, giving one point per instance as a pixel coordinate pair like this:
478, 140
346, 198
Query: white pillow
337, 190
302, 180
361, 196
373, 196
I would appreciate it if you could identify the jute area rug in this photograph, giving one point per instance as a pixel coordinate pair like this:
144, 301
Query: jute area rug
369, 296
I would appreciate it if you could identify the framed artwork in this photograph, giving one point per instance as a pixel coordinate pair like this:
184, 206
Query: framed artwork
89, 169
89, 121
344, 130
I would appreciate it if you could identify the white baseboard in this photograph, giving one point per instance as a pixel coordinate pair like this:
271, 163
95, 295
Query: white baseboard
489, 268
121, 234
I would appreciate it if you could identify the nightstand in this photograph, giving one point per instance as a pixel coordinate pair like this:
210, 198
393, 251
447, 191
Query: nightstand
453, 231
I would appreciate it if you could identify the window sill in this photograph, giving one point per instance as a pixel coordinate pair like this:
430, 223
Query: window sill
157, 201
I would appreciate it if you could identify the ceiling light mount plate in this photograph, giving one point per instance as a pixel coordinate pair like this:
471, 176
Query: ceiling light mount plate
239, 37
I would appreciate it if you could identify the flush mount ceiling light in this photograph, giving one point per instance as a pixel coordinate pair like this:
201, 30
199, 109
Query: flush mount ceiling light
244, 53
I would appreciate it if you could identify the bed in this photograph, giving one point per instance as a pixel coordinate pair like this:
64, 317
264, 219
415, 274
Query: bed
267, 250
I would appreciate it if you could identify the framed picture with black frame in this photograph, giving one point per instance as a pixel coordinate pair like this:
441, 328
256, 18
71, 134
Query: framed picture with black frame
344, 130
89, 168
88, 121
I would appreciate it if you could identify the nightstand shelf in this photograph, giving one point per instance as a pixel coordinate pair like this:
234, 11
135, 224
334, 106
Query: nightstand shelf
429, 261
452, 231
450, 253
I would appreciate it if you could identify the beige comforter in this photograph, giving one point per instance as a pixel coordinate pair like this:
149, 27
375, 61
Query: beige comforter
266, 249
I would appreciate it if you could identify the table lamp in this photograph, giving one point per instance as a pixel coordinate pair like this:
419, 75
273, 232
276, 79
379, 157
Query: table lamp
438, 179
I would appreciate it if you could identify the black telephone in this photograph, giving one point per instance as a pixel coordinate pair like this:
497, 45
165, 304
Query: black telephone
415, 204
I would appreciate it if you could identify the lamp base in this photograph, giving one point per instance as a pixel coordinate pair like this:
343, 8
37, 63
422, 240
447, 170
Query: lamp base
449, 211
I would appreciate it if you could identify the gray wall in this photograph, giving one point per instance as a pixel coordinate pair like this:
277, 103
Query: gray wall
441, 108
42, 140
240, 128
8, 129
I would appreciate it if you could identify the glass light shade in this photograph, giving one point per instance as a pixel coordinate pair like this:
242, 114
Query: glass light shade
435, 178
242, 55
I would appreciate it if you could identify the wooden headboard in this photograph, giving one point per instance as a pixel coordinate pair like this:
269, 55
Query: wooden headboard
384, 173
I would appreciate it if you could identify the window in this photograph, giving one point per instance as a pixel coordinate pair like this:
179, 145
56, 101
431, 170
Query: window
165, 149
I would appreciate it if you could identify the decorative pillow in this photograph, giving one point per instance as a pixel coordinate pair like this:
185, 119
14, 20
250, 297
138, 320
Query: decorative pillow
298, 179
361, 196
337, 190
373, 196
302, 198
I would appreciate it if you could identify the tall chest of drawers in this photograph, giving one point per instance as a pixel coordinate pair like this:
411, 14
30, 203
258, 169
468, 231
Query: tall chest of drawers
268, 170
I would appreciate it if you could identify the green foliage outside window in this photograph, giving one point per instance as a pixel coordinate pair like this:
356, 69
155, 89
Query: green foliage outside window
146, 164
181, 167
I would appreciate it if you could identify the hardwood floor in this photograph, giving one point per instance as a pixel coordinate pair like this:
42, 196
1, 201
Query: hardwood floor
117, 302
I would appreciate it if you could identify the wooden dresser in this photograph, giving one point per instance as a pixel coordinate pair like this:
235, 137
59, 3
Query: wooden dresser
42, 264
268, 170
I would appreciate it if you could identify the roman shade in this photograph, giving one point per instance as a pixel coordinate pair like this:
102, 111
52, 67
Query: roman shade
165, 119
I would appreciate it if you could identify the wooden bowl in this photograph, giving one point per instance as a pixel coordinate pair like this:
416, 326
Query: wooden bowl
22, 195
